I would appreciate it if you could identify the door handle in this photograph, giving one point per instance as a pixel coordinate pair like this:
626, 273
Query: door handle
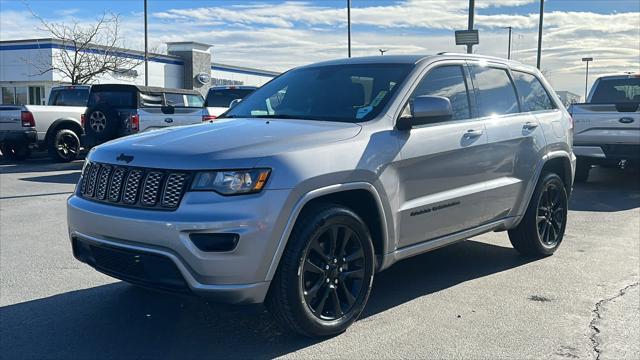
471, 133
529, 125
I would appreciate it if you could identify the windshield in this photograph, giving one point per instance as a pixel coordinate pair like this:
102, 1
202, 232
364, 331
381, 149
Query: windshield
615, 91
224, 97
347, 93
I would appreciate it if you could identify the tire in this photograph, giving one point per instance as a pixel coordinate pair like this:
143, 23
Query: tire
542, 229
582, 171
15, 151
102, 123
64, 146
311, 275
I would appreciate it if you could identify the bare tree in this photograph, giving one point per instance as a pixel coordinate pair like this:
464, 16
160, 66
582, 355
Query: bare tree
87, 50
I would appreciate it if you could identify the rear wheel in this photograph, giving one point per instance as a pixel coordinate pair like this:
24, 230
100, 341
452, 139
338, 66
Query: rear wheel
15, 151
64, 146
583, 168
325, 276
542, 229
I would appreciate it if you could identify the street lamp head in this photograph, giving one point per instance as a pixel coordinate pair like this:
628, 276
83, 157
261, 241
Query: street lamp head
587, 59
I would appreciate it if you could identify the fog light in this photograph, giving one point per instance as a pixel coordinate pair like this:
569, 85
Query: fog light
214, 242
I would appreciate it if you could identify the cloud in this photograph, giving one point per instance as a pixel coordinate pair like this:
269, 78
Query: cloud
278, 36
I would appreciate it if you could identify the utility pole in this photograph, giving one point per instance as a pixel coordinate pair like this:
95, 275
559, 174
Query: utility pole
586, 80
146, 47
472, 5
509, 48
540, 33
349, 25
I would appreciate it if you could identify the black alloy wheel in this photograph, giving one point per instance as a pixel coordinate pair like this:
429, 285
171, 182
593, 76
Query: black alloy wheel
333, 272
551, 216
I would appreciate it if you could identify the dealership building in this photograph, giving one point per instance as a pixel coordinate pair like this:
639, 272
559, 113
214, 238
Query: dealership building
186, 65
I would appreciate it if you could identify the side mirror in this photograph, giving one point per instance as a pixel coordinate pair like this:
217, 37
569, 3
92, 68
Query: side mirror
426, 109
234, 102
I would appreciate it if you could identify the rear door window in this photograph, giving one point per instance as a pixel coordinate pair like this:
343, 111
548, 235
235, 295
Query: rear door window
495, 92
449, 82
533, 96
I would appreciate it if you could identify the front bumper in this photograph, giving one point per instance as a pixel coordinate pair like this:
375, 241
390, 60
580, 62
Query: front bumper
123, 236
28, 137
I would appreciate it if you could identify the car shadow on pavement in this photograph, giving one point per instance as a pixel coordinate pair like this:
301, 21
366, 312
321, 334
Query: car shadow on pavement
37, 163
123, 321
608, 190
67, 178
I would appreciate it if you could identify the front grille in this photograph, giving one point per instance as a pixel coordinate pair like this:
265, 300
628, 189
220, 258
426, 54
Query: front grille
133, 186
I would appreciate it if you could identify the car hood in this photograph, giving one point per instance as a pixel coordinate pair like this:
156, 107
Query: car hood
235, 143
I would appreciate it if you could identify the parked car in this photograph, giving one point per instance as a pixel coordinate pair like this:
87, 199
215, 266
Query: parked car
54, 127
326, 175
608, 125
116, 110
219, 98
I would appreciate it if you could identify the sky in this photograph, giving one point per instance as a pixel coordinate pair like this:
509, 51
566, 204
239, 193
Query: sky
278, 35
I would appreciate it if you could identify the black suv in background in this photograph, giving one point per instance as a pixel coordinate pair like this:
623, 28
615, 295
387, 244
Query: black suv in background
116, 110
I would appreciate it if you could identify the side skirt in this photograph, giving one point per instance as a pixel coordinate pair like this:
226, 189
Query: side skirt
433, 244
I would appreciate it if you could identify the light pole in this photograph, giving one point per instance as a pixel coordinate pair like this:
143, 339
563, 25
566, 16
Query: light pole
540, 33
509, 46
586, 79
382, 51
146, 48
349, 25
472, 6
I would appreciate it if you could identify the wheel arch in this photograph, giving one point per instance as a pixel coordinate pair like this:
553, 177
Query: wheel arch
557, 161
359, 197
63, 123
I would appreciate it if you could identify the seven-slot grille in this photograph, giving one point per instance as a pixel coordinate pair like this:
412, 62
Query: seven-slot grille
135, 187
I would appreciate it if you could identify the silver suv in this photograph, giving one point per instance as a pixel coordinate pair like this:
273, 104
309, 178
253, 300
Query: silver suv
327, 175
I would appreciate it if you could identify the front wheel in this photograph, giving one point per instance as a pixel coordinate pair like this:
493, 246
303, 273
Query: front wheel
541, 230
326, 272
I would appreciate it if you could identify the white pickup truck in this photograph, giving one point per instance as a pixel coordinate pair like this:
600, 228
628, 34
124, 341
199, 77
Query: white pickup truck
607, 126
55, 127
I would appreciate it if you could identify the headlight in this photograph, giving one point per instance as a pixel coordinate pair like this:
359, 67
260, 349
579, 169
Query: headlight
231, 182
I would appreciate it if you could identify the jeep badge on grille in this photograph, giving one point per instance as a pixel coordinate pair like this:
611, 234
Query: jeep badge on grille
125, 158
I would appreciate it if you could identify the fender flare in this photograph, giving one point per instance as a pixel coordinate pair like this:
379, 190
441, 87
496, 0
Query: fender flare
313, 194
538, 171
73, 124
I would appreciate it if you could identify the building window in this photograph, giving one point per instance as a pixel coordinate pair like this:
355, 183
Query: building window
15, 95
8, 95
36, 94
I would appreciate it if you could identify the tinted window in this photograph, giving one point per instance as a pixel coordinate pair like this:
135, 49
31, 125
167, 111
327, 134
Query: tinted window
223, 97
122, 99
533, 96
615, 91
449, 82
68, 97
176, 100
350, 93
495, 95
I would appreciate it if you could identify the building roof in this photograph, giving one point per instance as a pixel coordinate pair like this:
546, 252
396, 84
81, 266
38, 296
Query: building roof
50, 43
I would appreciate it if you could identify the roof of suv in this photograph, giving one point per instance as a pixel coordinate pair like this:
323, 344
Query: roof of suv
414, 59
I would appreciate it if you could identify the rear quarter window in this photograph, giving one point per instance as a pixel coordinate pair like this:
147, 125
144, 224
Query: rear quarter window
533, 96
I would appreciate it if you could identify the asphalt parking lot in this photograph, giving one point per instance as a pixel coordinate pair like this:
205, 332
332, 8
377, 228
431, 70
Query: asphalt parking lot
476, 299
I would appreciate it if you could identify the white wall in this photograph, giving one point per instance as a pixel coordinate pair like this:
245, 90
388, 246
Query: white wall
25, 65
